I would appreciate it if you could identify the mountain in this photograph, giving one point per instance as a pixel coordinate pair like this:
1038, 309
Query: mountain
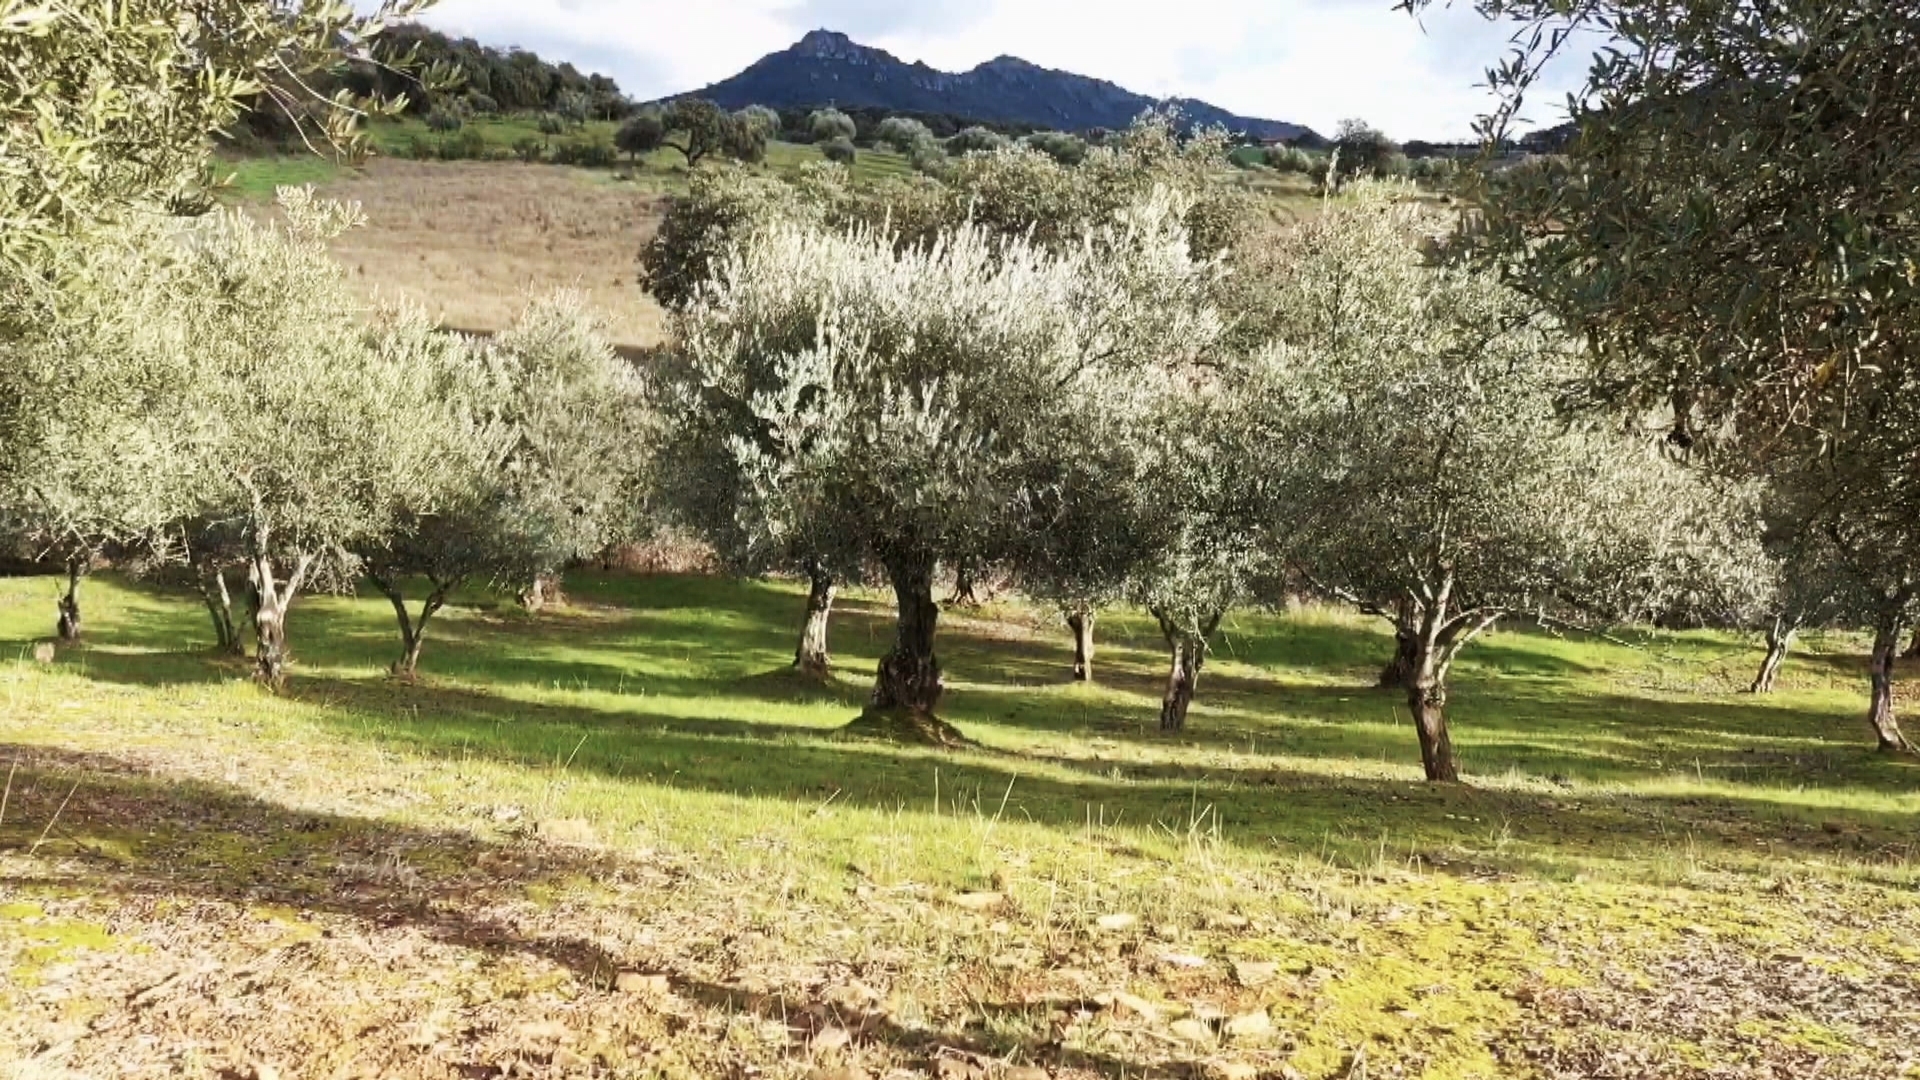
826, 68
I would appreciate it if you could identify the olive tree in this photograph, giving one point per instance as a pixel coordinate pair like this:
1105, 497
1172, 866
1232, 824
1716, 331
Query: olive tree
1731, 228
902, 133
98, 458
702, 128
827, 125
912, 389
307, 432
643, 133
1432, 481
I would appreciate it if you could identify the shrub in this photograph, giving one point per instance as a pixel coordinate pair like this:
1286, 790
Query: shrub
840, 150
587, 154
530, 149
1289, 159
976, 140
1060, 146
551, 124
642, 133
479, 104
760, 118
443, 120
466, 146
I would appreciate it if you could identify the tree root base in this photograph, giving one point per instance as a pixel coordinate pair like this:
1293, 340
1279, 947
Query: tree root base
910, 727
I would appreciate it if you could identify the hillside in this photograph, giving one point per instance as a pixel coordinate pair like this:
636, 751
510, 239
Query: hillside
826, 68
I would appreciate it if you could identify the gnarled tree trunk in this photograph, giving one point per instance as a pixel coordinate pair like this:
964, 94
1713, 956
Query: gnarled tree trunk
965, 585
1886, 727
1779, 642
271, 599
909, 675
1080, 620
811, 658
68, 625
1187, 654
1427, 701
544, 590
213, 589
413, 632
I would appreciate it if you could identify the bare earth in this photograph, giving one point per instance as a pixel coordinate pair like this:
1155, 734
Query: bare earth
474, 240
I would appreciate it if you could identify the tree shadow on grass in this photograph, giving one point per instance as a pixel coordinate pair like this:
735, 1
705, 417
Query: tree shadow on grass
106, 829
1258, 803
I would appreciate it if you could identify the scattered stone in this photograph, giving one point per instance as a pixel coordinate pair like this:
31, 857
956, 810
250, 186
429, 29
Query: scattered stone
1192, 1031
1183, 960
633, 982
1117, 921
1025, 1072
44, 652
830, 1038
979, 901
1255, 973
504, 814
1125, 1004
1251, 1025
1233, 1070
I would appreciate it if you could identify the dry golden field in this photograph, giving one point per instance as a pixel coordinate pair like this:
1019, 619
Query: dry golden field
472, 241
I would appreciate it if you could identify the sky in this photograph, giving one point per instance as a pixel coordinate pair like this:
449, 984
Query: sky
1315, 62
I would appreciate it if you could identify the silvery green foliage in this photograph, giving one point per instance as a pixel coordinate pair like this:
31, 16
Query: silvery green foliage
914, 397
578, 464
902, 133
298, 426
96, 456
826, 125
1433, 475
538, 459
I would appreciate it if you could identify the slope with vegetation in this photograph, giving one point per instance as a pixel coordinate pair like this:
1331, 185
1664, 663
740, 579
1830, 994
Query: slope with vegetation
1036, 778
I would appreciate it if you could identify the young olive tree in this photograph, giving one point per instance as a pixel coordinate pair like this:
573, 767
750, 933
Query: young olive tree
828, 125
1433, 482
913, 391
306, 434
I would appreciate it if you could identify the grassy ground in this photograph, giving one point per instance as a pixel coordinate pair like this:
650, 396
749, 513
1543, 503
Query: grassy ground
619, 839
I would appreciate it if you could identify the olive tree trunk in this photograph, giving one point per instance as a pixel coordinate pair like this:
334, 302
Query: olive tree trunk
1187, 654
811, 658
1438, 633
965, 585
271, 600
213, 589
909, 675
413, 631
544, 590
1399, 672
68, 625
1779, 642
1080, 620
1886, 647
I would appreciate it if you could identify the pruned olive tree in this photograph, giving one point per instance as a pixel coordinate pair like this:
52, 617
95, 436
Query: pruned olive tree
1731, 228
539, 437
307, 435
1433, 481
913, 390
98, 458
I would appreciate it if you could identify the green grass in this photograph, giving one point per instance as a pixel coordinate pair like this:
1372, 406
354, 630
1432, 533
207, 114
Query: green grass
1647, 867
259, 177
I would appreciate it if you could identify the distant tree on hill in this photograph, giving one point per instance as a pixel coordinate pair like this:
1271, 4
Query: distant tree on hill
826, 125
902, 133
1364, 149
702, 128
643, 133
762, 119
573, 106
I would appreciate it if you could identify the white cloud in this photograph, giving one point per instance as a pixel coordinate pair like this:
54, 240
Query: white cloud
1310, 61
